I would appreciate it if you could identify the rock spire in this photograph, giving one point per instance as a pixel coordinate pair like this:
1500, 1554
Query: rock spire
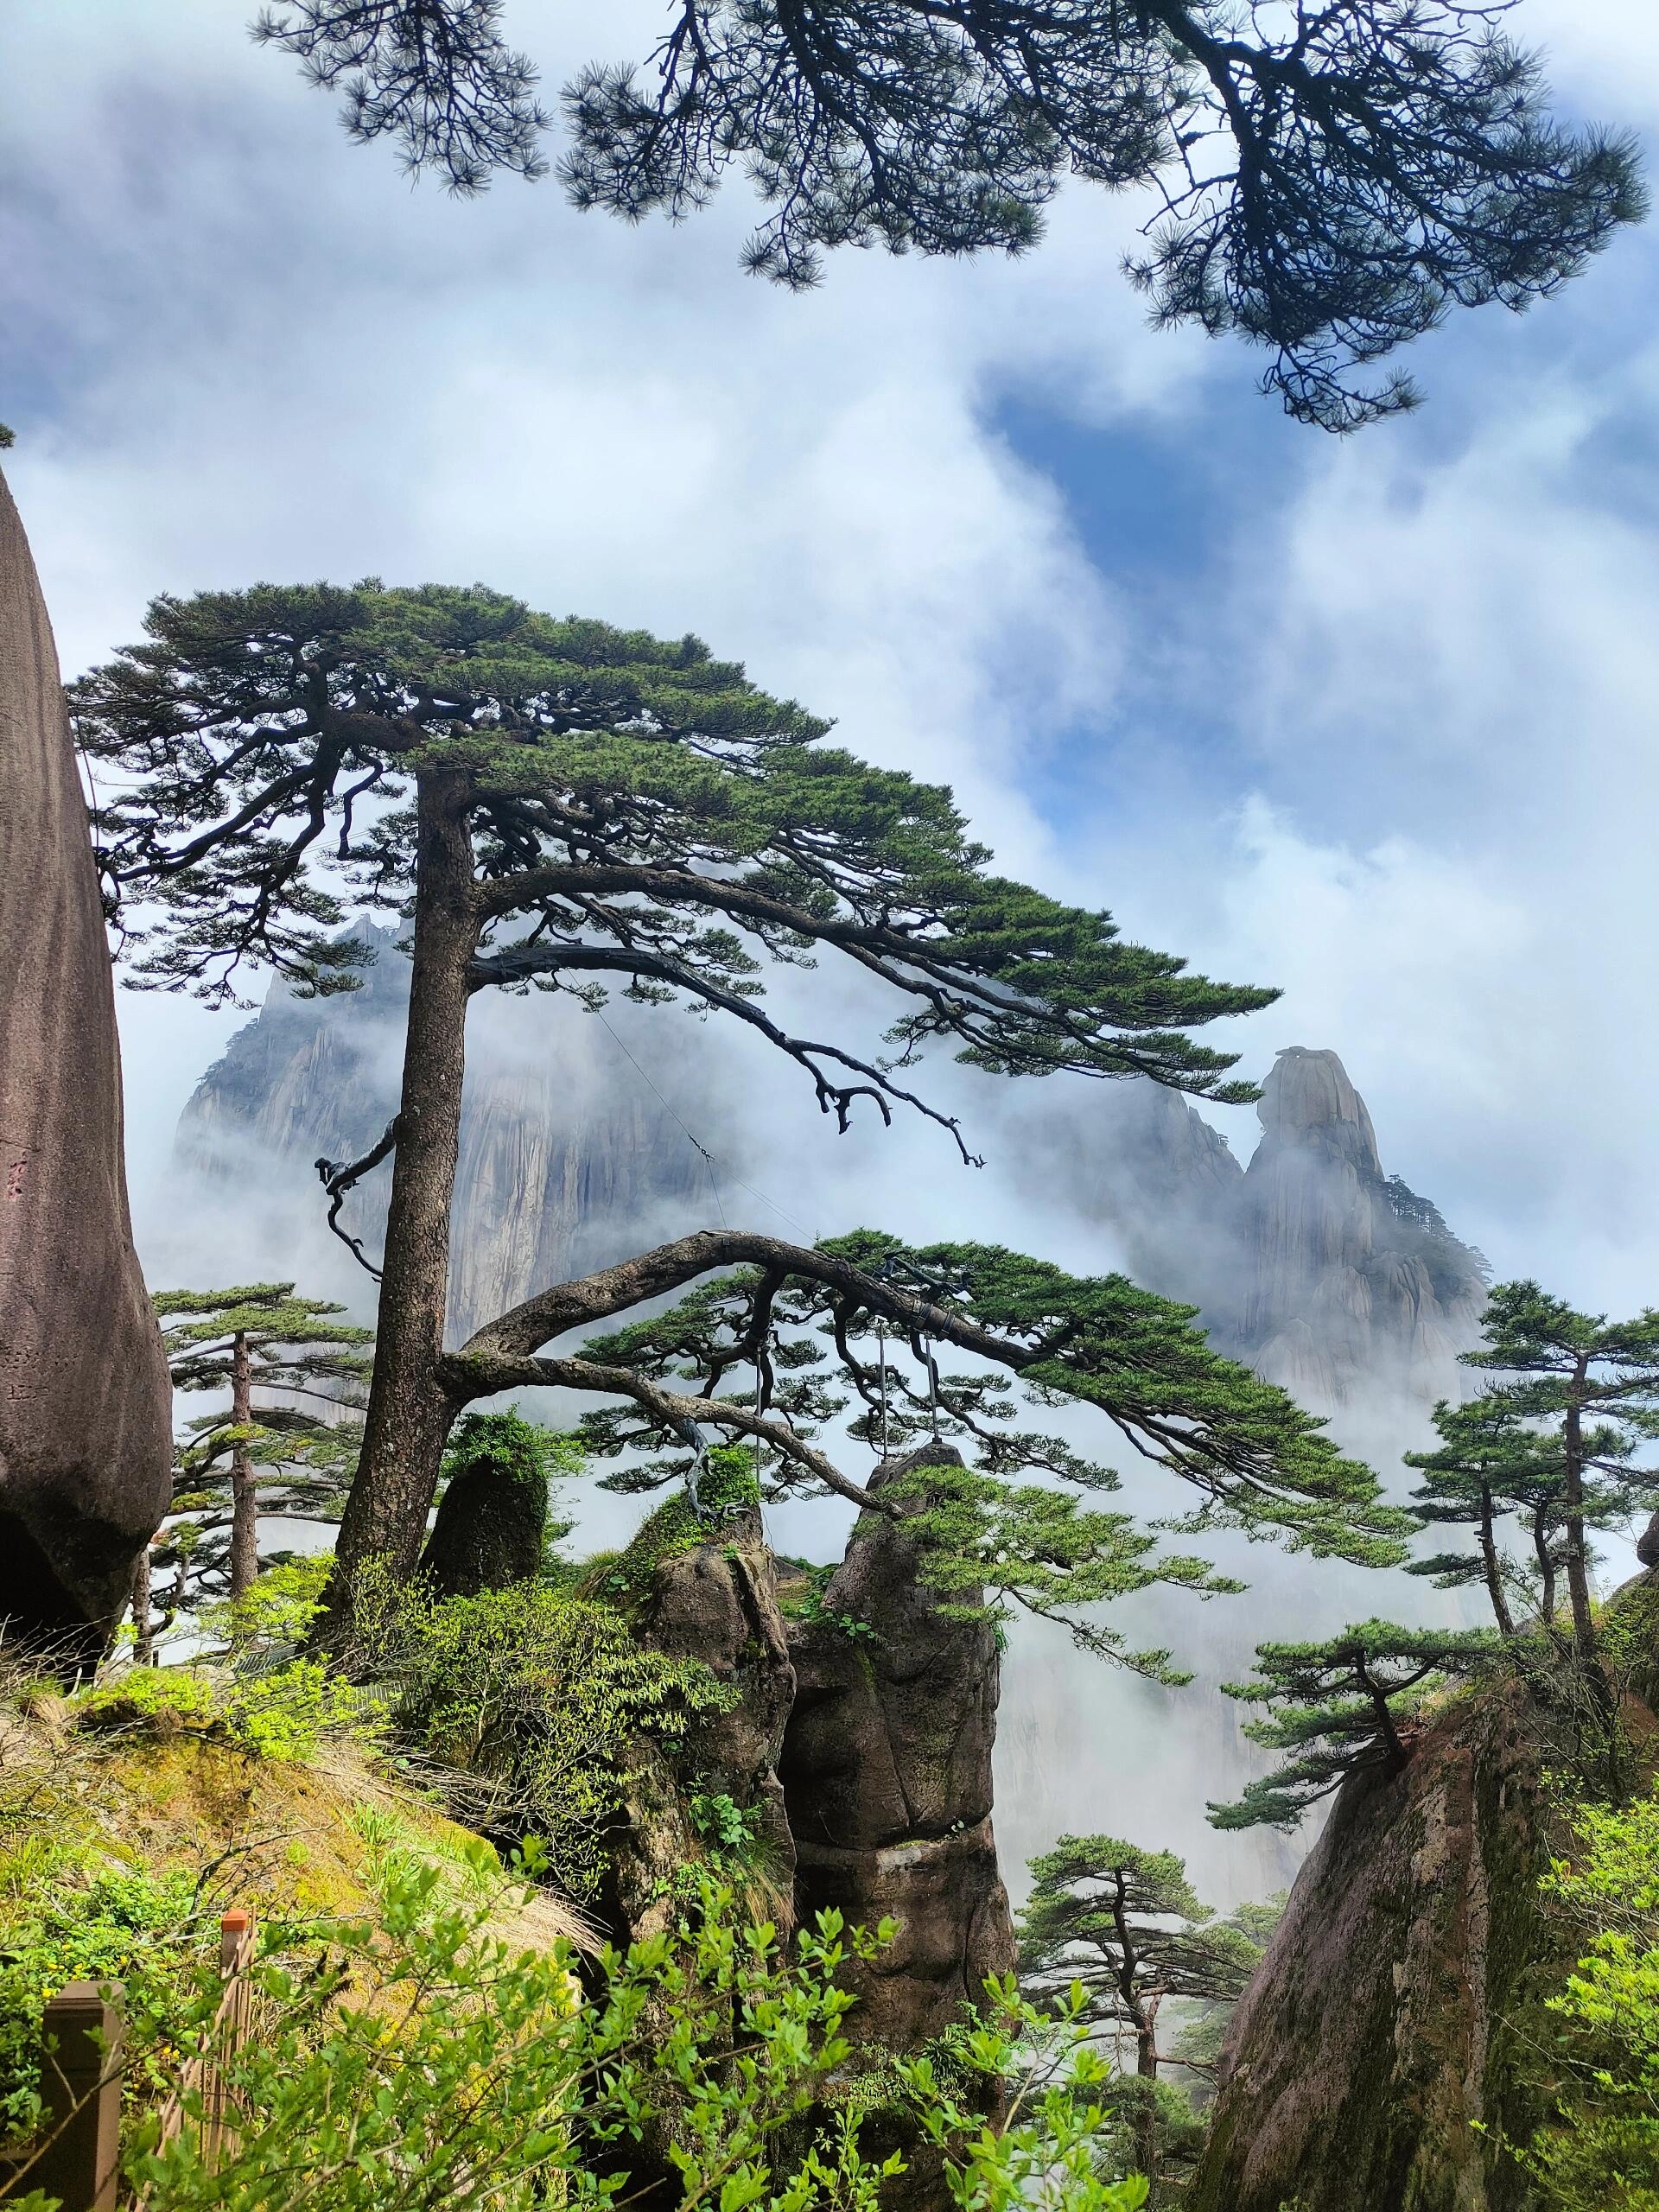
86, 1447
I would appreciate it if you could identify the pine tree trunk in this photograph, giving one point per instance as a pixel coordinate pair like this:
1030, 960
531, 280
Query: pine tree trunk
1546, 1566
143, 1649
1602, 1701
1493, 1567
1578, 1577
1146, 2066
244, 1501
409, 1414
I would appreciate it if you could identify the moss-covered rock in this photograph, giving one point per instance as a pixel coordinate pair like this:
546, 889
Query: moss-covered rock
698, 1584
887, 1772
492, 1525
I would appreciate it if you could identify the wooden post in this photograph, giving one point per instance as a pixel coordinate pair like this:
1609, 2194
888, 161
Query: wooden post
81, 2088
215, 2132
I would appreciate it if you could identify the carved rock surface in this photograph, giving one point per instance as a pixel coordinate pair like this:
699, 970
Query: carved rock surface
1384, 2019
887, 1774
85, 1449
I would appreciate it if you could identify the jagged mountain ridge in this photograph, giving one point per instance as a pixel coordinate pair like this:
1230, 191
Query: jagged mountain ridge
1311, 1264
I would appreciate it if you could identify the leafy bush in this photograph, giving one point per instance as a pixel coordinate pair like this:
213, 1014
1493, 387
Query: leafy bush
1601, 2151
285, 1713
413, 2060
540, 1695
280, 1712
115, 1925
273, 1615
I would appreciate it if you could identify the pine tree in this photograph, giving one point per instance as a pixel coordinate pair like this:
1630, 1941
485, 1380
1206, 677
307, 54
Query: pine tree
550, 803
1493, 1464
286, 1441
853, 1333
1340, 1707
1590, 1388
1329, 181
1128, 1927
1485, 1462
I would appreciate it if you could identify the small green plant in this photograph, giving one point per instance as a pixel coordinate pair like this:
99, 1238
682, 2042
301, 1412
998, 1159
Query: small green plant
1340, 1707
1600, 2150
806, 1604
731, 1831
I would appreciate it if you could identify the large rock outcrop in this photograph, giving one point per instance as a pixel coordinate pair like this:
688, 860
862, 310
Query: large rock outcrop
886, 1774
1388, 2015
85, 1438
708, 1591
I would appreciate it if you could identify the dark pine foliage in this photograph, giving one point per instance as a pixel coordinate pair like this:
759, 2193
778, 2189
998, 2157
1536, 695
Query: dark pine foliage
1328, 181
1339, 1708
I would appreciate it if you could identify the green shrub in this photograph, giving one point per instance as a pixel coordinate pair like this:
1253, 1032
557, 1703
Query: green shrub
273, 1615
113, 1925
542, 1696
412, 2060
278, 1712
1600, 2153
731, 1831
727, 1491
286, 1712
161, 1699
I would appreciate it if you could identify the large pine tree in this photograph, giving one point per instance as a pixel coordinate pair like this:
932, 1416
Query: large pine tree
1589, 1390
562, 805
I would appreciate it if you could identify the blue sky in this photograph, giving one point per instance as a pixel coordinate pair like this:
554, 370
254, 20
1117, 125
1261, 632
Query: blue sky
1369, 720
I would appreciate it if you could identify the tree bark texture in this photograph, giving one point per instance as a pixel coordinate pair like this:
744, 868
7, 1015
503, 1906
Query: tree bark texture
144, 1648
1492, 1567
244, 1501
86, 1445
1578, 1579
409, 1411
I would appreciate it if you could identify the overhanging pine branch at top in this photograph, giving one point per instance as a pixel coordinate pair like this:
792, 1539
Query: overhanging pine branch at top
1326, 182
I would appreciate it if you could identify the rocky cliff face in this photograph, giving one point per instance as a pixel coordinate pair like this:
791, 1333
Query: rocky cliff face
565, 1156
84, 1448
1311, 1264
1385, 2019
1352, 1284
887, 1777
